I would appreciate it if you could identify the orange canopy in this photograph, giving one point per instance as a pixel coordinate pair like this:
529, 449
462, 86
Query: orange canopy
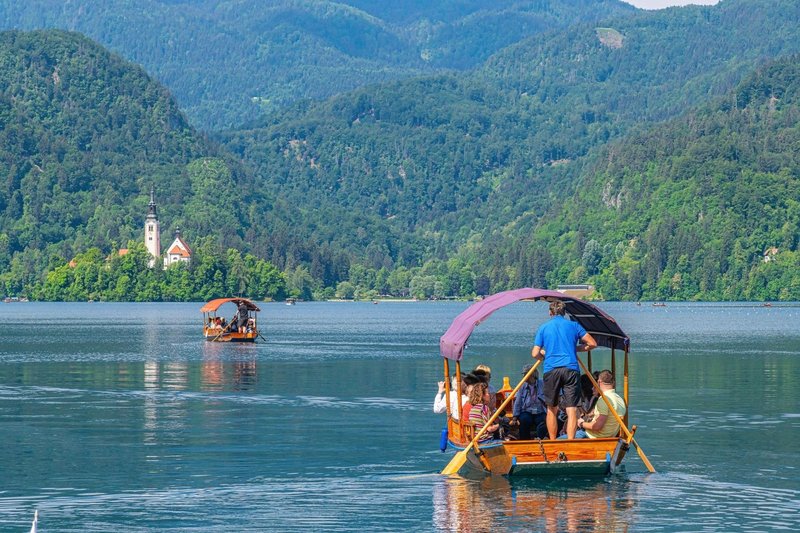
213, 305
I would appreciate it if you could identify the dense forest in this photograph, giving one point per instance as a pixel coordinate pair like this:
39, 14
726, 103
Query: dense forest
654, 157
229, 61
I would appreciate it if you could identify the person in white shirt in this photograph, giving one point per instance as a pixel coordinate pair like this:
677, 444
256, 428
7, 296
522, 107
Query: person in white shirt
440, 403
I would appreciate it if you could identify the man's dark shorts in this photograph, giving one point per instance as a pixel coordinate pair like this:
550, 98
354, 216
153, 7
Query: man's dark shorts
558, 379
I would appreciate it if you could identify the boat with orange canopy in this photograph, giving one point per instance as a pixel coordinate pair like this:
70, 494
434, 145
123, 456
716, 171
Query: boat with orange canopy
598, 456
242, 327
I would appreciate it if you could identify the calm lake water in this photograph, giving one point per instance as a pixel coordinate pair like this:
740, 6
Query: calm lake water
120, 417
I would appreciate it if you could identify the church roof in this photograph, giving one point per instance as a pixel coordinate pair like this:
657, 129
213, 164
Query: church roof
180, 247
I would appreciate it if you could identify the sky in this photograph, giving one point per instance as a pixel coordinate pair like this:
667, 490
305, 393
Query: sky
658, 4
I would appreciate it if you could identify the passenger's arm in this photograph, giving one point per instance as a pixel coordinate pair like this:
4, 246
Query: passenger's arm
596, 424
439, 402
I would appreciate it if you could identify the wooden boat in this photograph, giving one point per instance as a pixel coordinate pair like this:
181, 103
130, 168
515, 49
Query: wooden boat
243, 327
559, 457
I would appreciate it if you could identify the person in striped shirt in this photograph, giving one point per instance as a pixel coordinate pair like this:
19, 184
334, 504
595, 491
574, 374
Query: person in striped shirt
480, 413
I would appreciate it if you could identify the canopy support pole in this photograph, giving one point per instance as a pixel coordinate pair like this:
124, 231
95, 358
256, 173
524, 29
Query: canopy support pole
625, 386
447, 386
613, 362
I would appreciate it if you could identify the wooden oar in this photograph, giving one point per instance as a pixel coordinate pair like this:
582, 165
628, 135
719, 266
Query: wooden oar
460, 458
628, 434
221, 333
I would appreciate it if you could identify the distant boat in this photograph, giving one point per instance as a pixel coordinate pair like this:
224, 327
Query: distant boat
14, 299
243, 327
291, 301
659, 304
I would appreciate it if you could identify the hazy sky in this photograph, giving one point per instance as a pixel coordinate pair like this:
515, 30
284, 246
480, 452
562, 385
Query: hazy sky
658, 4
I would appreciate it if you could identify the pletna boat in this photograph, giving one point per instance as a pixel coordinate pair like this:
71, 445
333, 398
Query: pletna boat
242, 327
559, 457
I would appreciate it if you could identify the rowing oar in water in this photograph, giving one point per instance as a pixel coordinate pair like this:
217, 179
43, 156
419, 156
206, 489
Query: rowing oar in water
460, 458
35, 524
619, 420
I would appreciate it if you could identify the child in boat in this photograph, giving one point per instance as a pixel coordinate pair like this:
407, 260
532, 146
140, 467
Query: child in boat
480, 413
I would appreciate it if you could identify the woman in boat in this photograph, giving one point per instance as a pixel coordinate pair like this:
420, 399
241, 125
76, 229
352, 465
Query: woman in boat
484, 372
480, 412
440, 402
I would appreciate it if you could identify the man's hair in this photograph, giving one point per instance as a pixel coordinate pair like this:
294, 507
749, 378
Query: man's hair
606, 376
557, 307
481, 375
485, 368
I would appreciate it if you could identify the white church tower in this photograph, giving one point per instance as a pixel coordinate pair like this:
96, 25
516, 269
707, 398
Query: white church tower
152, 232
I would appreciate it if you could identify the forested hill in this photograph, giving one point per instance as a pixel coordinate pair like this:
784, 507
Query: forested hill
227, 61
83, 137
705, 207
464, 162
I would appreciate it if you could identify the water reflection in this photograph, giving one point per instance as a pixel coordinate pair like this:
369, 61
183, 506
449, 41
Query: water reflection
227, 366
552, 505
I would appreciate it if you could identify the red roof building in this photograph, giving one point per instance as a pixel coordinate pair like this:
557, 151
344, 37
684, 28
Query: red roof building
178, 251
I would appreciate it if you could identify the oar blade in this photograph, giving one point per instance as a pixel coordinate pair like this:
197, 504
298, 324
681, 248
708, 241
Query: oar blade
455, 463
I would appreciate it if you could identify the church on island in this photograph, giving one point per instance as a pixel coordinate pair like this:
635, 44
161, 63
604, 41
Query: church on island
177, 252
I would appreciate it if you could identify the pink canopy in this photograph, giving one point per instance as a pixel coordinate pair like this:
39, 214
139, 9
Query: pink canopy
602, 327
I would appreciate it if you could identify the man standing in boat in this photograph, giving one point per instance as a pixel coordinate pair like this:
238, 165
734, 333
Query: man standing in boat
556, 343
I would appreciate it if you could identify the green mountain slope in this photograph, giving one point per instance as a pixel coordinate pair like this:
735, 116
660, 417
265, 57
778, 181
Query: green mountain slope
705, 207
84, 135
228, 61
470, 158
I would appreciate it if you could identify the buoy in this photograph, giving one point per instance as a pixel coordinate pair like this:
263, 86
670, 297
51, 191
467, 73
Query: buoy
443, 440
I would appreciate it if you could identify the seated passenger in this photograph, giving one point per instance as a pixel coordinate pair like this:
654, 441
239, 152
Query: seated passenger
470, 381
588, 396
480, 413
485, 374
529, 408
603, 422
440, 402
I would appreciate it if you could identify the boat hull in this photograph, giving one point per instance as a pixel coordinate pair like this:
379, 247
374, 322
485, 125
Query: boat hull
578, 457
213, 336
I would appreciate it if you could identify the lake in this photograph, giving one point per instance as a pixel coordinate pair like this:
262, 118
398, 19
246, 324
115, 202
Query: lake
120, 417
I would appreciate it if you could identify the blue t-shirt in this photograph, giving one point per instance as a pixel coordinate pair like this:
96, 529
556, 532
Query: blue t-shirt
558, 336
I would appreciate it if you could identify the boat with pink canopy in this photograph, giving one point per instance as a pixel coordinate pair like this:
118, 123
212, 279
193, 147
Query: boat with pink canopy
598, 456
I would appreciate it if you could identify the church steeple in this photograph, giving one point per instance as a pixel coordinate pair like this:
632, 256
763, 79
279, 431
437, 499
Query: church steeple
152, 231
151, 208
